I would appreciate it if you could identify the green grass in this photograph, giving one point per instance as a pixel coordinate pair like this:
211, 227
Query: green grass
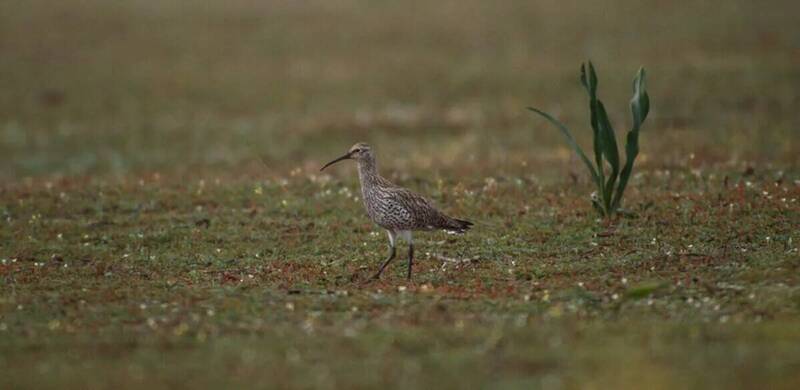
164, 224
160, 284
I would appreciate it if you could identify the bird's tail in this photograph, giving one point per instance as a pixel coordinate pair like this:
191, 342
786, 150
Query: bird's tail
457, 226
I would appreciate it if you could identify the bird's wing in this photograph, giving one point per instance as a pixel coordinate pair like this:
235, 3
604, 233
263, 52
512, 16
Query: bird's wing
408, 198
422, 210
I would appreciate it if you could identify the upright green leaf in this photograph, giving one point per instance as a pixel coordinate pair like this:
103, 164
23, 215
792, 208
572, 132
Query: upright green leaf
640, 107
640, 102
610, 152
571, 141
589, 81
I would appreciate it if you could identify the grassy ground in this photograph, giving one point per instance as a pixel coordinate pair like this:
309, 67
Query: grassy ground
164, 223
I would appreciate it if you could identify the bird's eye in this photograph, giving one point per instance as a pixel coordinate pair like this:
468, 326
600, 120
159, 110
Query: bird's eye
356, 150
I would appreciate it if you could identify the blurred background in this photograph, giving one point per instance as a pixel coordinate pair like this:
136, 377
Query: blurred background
164, 224
98, 87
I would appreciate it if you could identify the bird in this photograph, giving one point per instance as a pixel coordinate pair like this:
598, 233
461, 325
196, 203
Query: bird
398, 210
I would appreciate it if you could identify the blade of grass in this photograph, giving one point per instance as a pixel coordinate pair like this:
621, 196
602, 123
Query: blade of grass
571, 141
598, 207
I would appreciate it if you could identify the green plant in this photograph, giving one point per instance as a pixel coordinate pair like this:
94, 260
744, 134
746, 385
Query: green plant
610, 185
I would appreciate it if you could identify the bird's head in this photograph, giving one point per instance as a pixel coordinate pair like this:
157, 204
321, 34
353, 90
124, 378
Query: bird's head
359, 152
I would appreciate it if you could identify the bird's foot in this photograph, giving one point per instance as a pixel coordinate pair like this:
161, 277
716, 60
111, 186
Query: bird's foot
369, 280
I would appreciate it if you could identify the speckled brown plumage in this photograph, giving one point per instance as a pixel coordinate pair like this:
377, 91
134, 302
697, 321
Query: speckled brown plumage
396, 209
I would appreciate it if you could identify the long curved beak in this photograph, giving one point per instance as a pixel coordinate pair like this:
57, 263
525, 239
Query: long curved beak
345, 157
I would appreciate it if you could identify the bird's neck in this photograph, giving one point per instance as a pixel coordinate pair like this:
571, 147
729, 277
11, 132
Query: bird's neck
367, 171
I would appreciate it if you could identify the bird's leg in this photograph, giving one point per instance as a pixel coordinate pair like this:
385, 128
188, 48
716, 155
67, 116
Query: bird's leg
410, 259
392, 253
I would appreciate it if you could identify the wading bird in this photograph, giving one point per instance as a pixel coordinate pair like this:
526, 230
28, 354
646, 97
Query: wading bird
396, 209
